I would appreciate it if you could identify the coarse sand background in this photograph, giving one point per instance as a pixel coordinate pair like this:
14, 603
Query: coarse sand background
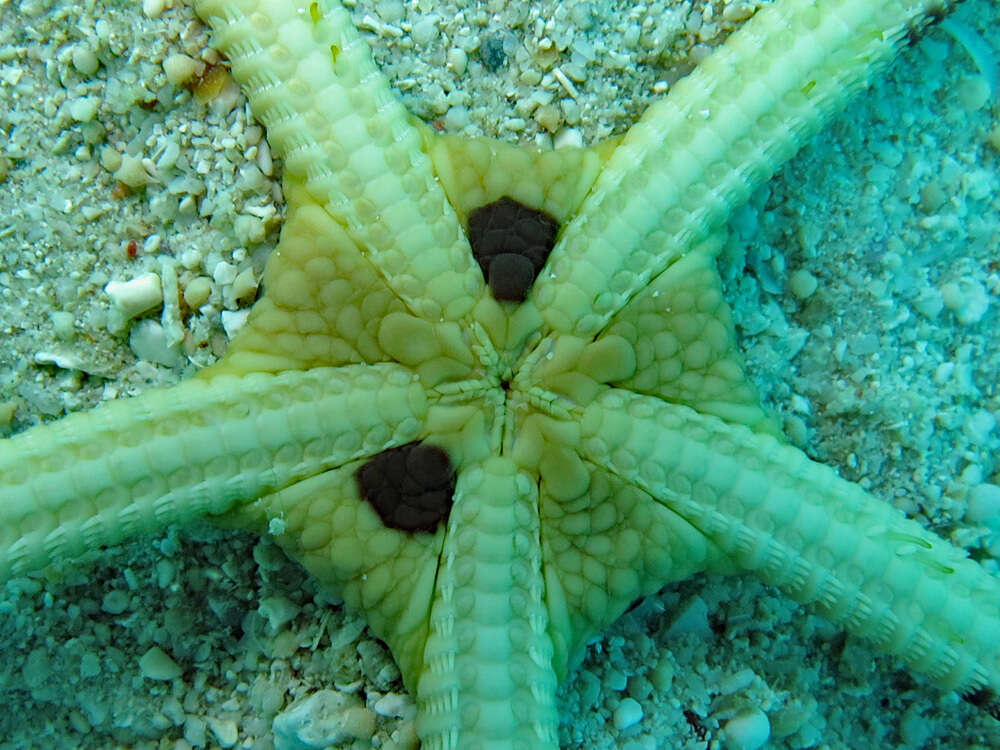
864, 281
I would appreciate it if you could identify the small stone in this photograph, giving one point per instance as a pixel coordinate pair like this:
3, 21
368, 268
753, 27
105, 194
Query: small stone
111, 158
456, 118
90, 665
7, 410
79, 722
84, 59
115, 602
249, 229
967, 298
359, 722
154, 8
278, 611
929, 302
582, 16
747, 731
549, 117
233, 321
62, 324
915, 729
457, 60
136, 296
802, 284
84, 109
492, 53
568, 138
197, 292
194, 731
978, 427
692, 617
627, 714
156, 664
149, 341
984, 504
225, 731
390, 11
932, 197
662, 675
224, 273
320, 720
973, 93
425, 30
395, 705
133, 172
180, 69
244, 285
37, 668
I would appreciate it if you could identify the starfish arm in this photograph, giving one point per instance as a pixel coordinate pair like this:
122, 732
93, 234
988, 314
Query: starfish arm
488, 680
820, 539
719, 134
332, 116
169, 456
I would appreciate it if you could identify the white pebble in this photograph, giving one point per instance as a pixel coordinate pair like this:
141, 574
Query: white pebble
115, 602
84, 109
802, 283
278, 610
137, 296
249, 229
628, 714
181, 68
197, 292
110, 158
153, 8
224, 273
194, 731
264, 161
984, 504
395, 705
84, 59
60, 360
915, 729
582, 15
62, 324
156, 664
168, 156
320, 720
425, 30
973, 92
90, 665
457, 60
692, 617
233, 321
747, 731
978, 427
967, 299
132, 172
735, 683
568, 138
456, 118
148, 340
225, 731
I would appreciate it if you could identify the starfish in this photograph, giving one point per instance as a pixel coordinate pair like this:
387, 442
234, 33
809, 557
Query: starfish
580, 401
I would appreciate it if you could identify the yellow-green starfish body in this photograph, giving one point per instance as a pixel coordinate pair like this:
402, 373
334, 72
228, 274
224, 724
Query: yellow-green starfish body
605, 438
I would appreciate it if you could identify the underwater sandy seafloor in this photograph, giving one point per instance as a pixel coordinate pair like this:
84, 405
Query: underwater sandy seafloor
864, 280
